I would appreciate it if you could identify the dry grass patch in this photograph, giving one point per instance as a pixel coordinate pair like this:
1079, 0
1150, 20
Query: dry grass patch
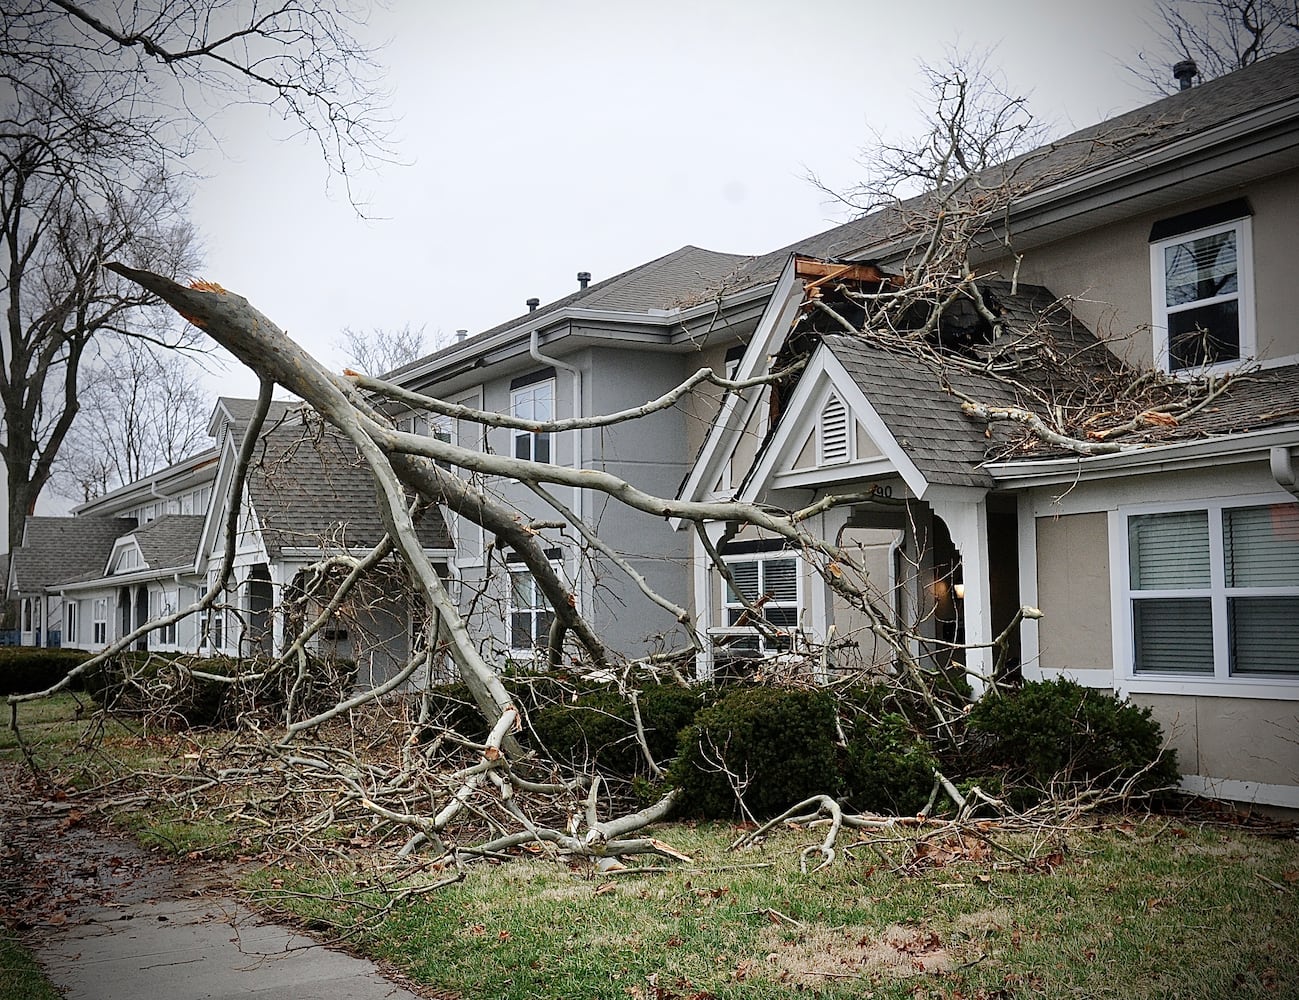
810, 957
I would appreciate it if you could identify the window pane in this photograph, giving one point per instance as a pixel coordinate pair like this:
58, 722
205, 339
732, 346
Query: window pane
1173, 635
521, 630
1200, 269
523, 446
1204, 335
781, 579
1264, 635
542, 402
1169, 551
746, 578
541, 447
785, 618
1261, 546
521, 590
544, 620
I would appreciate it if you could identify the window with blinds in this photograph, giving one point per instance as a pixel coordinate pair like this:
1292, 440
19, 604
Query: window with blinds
1218, 610
767, 585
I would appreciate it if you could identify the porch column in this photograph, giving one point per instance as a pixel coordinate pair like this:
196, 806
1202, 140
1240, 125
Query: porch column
966, 517
820, 599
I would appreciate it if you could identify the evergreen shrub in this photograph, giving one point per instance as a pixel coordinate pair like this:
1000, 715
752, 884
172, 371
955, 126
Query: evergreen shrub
1058, 731
24, 669
887, 767
780, 743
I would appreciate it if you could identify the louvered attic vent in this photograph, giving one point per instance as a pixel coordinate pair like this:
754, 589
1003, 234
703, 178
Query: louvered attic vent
834, 431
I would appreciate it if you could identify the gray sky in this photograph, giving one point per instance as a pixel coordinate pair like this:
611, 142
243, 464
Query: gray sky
541, 139
537, 140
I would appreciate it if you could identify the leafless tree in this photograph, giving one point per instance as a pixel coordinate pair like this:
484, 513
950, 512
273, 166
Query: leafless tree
100, 105
381, 350
1219, 36
141, 409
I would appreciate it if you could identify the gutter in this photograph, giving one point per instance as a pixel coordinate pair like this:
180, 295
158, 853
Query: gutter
1156, 458
1281, 461
664, 318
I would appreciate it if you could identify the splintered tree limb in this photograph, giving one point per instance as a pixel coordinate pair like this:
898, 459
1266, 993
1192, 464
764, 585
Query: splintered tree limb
258, 343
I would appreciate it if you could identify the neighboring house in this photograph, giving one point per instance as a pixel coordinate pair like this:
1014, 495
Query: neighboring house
155, 546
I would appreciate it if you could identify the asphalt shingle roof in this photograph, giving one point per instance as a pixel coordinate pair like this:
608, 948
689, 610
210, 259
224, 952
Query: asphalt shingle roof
65, 549
170, 541
310, 488
1125, 137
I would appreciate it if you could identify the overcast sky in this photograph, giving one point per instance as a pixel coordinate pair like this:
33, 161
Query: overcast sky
537, 140
543, 139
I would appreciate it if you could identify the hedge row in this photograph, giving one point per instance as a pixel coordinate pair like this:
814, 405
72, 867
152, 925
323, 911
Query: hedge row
774, 747
24, 669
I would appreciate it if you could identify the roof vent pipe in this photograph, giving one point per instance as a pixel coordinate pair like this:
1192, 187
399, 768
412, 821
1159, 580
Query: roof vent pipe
583, 279
532, 305
1185, 73
461, 335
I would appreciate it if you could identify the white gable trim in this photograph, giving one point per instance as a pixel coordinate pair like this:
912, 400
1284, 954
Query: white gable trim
122, 544
825, 373
738, 407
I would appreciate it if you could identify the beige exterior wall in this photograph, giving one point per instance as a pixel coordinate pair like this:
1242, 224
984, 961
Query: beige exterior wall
1107, 271
1207, 734
1073, 591
871, 548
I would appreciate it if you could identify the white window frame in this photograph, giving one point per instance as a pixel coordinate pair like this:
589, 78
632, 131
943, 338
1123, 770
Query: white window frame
1222, 683
1244, 296
164, 602
537, 610
99, 622
71, 621
766, 647
523, 405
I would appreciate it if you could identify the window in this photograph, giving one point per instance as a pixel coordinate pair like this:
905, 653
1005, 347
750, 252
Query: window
71, 611
99, 621
530, 615
1202, 287
128, 559
768, 583
533, 402
163, 602
1213, 592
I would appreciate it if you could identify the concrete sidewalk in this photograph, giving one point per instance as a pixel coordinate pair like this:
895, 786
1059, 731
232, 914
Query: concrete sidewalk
109, 921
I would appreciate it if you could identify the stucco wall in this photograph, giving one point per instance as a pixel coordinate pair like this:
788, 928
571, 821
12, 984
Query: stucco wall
1108, 271
1073, 591
1240, 739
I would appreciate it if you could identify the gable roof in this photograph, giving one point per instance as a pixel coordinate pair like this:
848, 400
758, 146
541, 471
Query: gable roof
1126, 139
679, 279
170, 541
59, 550
310, 488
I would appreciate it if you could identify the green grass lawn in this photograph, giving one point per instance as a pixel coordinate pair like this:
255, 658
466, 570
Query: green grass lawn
20, 977
1146, 909
1112, 907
